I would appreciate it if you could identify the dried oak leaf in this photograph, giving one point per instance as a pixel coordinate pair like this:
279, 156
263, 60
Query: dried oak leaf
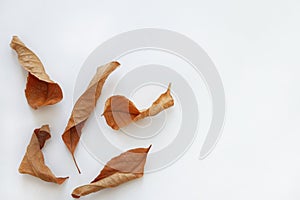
33, 162
120, 169
84, 107
120, 111
40, 89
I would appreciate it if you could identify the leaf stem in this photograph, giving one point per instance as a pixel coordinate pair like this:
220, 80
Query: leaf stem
76, 164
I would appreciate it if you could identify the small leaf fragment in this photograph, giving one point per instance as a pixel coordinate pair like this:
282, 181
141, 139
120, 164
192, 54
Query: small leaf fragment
84, 107
33, 162
120, 111
40, 89
120, 169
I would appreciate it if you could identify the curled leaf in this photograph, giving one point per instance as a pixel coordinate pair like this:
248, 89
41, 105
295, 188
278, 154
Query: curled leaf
84, 107
120, 169
40, 89
120, 111
33, 162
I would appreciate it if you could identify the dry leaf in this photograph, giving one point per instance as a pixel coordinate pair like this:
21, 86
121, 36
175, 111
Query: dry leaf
33, 162
84, 107
120, 111
120, 169
40, 89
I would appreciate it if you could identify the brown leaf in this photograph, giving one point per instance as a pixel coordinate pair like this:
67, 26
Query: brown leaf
120, 111
84, 107
33, 162
40, 89
120, 169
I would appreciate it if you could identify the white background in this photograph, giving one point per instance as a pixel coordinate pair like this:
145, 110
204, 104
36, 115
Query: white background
255, 46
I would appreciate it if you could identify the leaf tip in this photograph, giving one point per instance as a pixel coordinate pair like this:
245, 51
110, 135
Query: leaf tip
116, 63
75, 196
21, 170
45, 127
15, 39
61, 180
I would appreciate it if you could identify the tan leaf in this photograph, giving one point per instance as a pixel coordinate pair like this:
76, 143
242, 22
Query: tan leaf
84, 107
40, 89
33, 162
120, 169
120, 111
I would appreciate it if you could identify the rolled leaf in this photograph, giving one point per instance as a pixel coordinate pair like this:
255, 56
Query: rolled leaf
40, 89
84, 107
120, 111
33, 162
119, 170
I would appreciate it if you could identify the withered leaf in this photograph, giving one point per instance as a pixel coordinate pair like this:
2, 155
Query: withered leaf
33, 162
120, 111
120, 169
84, 107
40, 89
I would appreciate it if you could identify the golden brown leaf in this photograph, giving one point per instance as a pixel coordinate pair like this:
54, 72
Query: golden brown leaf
120, 111
33, 162
84, 107
120, 169
40, 89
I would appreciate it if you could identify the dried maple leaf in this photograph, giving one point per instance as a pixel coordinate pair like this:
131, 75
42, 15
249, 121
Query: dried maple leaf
120, 169
84, 107
33, 162
40, 89
120, 111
